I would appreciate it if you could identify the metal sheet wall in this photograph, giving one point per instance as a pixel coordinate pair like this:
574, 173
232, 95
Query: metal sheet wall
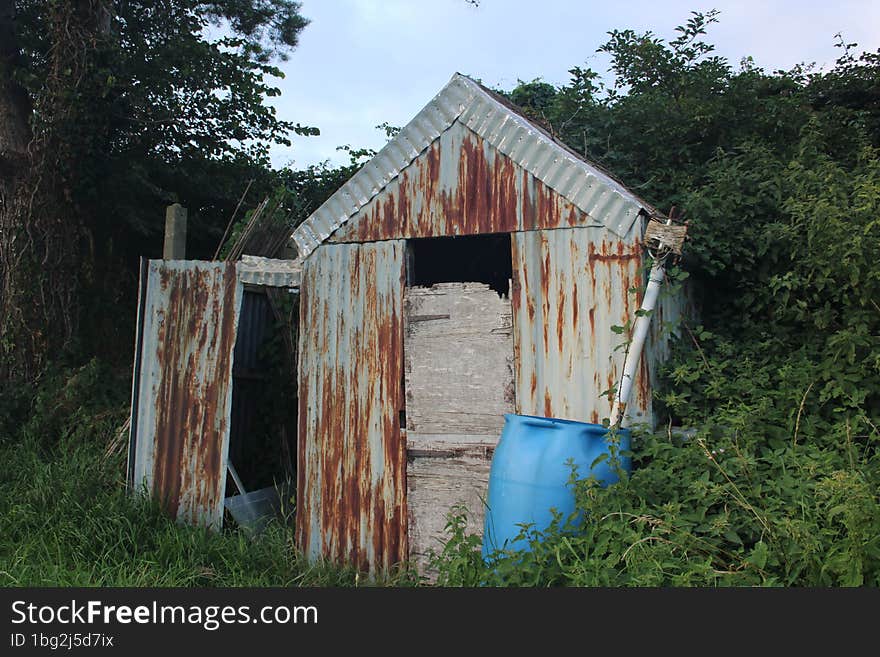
460, 185
180, 428
351, 485
570, 287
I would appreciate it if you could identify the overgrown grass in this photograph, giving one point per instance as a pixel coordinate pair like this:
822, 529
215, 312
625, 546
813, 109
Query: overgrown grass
66, 519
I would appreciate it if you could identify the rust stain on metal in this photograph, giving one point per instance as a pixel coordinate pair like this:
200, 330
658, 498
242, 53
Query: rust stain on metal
619, 254
564, 363
460, 185
611, 386
351, 494
183, 411
522, 272
562, 306
527, 205
546, 282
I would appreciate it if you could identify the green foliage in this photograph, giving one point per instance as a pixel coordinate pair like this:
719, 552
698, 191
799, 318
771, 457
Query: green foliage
317, 182
459, 560
534, 97
670, 107
269, 28
792, 245
161, 102
73, 405
183, 115
69, 522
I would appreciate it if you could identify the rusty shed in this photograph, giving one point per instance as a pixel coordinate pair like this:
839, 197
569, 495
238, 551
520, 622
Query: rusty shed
474, 267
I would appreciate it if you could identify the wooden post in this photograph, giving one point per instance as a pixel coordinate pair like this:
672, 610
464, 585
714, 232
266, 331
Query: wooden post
175, 233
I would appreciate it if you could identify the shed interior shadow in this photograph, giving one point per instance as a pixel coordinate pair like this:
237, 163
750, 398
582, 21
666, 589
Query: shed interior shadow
262, 441
466, 259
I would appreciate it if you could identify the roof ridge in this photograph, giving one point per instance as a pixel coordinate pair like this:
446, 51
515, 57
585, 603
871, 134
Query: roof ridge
463, 99
517, 109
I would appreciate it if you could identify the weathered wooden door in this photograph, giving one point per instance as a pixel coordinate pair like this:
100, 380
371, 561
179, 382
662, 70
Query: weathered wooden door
459, 385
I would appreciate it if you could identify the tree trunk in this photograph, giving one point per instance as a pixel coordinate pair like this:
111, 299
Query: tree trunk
44, 146
15, 138
15, 132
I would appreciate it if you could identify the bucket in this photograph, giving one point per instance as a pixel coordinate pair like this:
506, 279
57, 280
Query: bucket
530, 474
253, 511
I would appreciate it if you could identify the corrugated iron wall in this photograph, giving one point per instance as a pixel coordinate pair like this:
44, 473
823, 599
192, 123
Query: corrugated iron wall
460, 185
351, 484
180, 428
570, 287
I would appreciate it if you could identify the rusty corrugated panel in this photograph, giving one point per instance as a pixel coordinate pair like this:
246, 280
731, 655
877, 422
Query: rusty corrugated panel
271, 272
570, 287
464, 102
424, 128
352, 458
461, 185
180, 431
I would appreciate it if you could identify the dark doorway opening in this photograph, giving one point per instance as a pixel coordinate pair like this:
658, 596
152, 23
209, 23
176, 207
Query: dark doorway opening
262, 440
468, 259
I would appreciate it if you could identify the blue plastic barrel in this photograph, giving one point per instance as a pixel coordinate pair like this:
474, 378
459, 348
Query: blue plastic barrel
530, 474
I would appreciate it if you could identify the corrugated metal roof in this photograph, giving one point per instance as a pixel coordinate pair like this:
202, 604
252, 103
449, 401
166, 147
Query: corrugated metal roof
272, 272
464, 100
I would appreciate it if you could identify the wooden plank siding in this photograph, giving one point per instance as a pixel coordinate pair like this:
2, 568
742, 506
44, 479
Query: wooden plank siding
459, 360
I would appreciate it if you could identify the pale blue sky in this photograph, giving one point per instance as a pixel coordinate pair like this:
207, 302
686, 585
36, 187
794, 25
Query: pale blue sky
363, 62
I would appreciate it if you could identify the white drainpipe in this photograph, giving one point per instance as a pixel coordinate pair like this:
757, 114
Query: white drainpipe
640, 334
661, 240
